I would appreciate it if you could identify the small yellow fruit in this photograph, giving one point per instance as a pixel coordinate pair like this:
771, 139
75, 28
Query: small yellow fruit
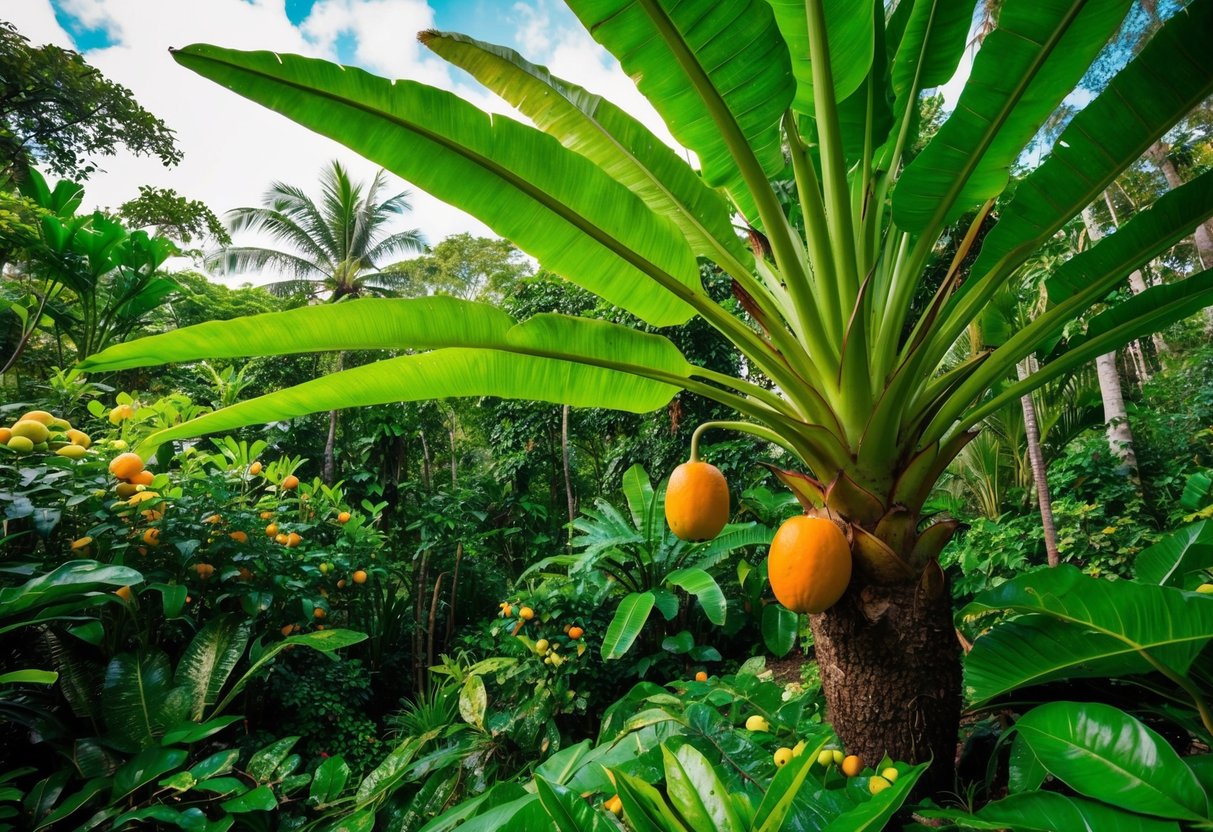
506, 609
360, 578
71, 451
142, 497
526, 613
614, 806
343, 517
783, 756
121, 413
701, 676
878, 784
889, 774
825, 757
126, 466
125, 594
697, 501
541, 646
852, 765
576, 633
118, 444
799, 748
757, 723
31, 429
281, 538
271, 530
254, 469
20, 444
290, 483
38, 416
837, 757
81, 543
79, 437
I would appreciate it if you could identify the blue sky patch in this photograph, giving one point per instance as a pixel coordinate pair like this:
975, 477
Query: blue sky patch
83, 37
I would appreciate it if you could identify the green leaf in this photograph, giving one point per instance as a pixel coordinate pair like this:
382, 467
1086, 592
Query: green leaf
1023, 71
326, 641
70, 804
705, 71
29, 676
260, 799
72, 578
563, 764
644, 808
191, 732
625, 626
568, 811
1171, 75
781, 794
779, 628
392, 769
875, 813
1177, 556
473, 701
329, 781
1076, 626
148, 765
172, 598
1103, 753
1024, 770
704, 587
137, 698
221, 762
605, 134
696, 792
262, 765
209, 660
638, 492
1050, 811
850, 36
554, 204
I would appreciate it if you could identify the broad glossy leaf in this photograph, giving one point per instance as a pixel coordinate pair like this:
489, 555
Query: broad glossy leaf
1075, 626
644, 808
875, 813
72, 578
329, 781
781, 794
519, 815
472, 701
850, 36
29, 676
696, 792
1171, 75
779, 627
1103, 753
221, 762
70, 804
210, 658
393, 768
1024, 69
567, 810
1049, 812
602, 132
703, 67
554, 204
191, 732
137, 698
1024, 770
260, 799
564, 763
148, 765
1181, 553
262, 765
703, 586
625, 626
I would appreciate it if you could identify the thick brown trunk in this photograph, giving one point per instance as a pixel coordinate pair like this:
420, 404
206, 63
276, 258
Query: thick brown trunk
891, 673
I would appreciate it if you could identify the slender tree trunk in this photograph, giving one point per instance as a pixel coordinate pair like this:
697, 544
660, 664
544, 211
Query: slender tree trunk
568, 479
450, 614
1039, 471
330, 462
1203, 236
425, 462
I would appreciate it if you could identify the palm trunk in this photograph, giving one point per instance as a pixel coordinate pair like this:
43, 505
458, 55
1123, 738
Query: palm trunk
330, 444
568, 479
1039, 474
1203, 236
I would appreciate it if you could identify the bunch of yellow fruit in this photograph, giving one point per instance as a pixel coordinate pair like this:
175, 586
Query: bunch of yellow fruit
40, 430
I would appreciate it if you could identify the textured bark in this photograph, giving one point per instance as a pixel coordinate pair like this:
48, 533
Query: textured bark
1036, 459
890, 670
1120, 435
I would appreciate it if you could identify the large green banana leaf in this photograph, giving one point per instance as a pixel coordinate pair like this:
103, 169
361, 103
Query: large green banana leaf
1024, 69
1180, 557
850, 36
1050, 811
1075, 626
551, 202
626, 624
210, 659
602, 132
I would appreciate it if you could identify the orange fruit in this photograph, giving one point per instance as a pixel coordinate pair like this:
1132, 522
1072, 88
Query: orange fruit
239, 536
254, 469
271, 530
293, 539
341, 584
120, 413
319, 612
852, 765
614, 806
697, 501
343, 517
204, 570
144, 477
290, 483
266, 515
281, 538
79, 437
360, 576
151, 515
125, 594
286, 630
810, 564
5, 435
576, 633
126, 466
701, 676
526, 613
152, 537
38, 416
214, 519
81, 543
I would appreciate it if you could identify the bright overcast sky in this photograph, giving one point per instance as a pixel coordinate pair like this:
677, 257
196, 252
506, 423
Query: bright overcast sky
234, 148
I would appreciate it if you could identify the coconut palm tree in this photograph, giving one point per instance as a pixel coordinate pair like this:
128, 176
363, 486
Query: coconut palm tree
331, 248
803, 117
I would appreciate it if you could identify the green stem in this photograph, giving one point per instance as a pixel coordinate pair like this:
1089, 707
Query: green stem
742, 427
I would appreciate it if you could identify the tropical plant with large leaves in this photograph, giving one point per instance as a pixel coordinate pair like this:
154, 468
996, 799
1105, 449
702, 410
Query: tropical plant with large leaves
821, 99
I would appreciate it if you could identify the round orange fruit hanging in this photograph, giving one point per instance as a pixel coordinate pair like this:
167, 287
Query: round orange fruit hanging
697, 500
810, 564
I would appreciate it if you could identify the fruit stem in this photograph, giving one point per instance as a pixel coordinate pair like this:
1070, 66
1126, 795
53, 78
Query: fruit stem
744, 427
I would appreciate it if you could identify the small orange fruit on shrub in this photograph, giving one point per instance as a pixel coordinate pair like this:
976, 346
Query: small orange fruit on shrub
319, 612
152, 537
214, 520
239, 536
576, 633
697, 501
5, 435
852, 765
79, 437
281, 538
341, 584
809, 565
81, 543
126, 466
290, 483
144, 477
701, 676
125, 594
360, 576
343, 517
286, 630
254, 469
204, 570
293, 539
614, 806
526, 613
271, 530
266, 515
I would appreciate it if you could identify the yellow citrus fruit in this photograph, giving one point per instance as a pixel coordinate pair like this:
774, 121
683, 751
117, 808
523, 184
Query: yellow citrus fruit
782, 756
31, 429
290, 483
152, 537
825, 757
239, 536
541, 646
79, 437
125, 594
889, 774
254, 469
126, 466
757, 723
809, 565
271, 530
38, 416
852, 765
293, 539
343, 517
71, 451
360, 576
878, 784
81, 543
281, 538
20, 444
319, 612
837, 756
701, 676
576, 633
204, 570
526, 613
121, 413
697, 501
